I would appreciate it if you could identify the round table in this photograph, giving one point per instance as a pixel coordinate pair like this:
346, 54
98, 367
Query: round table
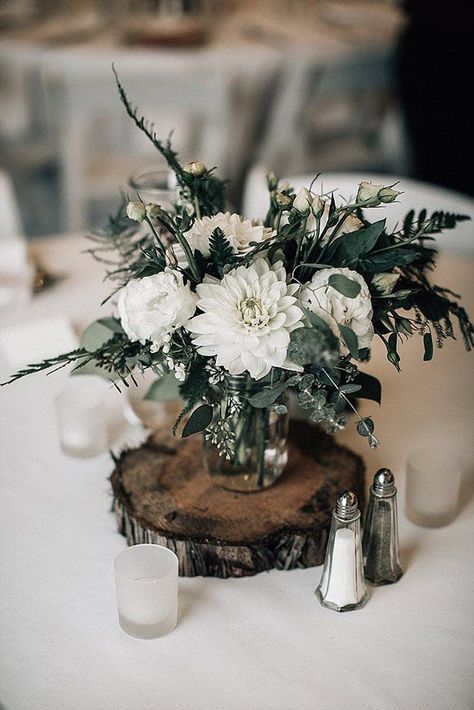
258, 643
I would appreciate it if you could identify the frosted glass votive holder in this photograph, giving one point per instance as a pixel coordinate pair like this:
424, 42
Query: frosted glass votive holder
432, 487
81, 417
146, 580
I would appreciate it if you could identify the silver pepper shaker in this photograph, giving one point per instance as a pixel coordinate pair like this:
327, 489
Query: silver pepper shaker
380, 539
342, 586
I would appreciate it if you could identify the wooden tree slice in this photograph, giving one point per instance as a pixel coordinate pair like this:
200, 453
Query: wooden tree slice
163, 495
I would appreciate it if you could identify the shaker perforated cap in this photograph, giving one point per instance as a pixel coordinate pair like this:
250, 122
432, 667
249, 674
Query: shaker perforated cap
347, 506
384, 483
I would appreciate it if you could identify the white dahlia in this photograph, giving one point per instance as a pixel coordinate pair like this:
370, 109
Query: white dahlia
152, 307
239, 232
335, 309
247, 319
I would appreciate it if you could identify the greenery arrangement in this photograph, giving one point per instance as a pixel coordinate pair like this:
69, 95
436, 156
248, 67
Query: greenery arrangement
204, 296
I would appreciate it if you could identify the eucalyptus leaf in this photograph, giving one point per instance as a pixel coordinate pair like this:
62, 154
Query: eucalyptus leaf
350, 339
163, 389
365, 427
112, 324
268, 395
316, 321
428, 347
344, 285
95, 335
198, 421
350, 388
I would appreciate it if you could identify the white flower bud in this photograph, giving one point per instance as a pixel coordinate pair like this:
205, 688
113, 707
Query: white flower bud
387, 195
374, 195
317, 206
282, 200
272, 180
196, 168
303, 201
153, 210
384, 283
166, 348
136, 211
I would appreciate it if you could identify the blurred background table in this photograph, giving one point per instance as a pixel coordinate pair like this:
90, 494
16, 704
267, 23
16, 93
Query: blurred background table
265, 86
256, 643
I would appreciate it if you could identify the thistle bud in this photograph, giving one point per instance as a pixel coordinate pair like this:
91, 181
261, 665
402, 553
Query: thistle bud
136, 211
282, 200
196, 168
153, 210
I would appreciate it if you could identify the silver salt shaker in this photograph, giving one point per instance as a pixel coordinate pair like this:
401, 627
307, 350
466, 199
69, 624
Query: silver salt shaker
380, 539
342, 586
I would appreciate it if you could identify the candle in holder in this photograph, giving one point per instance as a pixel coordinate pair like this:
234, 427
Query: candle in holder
81, 417
146, 579
432, 488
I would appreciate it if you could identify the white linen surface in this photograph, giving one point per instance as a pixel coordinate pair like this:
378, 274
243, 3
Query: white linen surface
260, 643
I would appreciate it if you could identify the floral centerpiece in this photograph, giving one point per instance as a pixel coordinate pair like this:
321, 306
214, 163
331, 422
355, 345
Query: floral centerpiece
232, 313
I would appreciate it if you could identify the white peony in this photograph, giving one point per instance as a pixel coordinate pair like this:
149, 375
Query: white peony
239, 232
247, 319
335, 309
152, 307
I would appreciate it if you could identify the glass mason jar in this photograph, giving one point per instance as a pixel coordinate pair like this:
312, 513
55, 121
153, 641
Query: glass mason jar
256, 440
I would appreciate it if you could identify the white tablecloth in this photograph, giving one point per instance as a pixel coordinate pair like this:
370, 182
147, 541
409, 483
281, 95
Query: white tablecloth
260, 643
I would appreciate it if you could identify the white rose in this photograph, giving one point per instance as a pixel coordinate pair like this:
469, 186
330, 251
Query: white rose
136, 211
335, 309
374, 195
152, 307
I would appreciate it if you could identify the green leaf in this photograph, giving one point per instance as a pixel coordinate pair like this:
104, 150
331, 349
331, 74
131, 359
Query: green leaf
220, 249
91, 368
365, 427
346, 286
199, 420
268, 395
351, 247
164, 389
112, 324
96, 335
350, 388
428, 345
370, 387
389, 259
350, 339
316, 321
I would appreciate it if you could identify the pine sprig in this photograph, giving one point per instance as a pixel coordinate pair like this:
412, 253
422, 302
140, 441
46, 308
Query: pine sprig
220, 250
205, 192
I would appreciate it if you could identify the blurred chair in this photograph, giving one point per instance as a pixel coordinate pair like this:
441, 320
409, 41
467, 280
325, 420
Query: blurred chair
10, 219
339, 114
415, 195
99, 146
